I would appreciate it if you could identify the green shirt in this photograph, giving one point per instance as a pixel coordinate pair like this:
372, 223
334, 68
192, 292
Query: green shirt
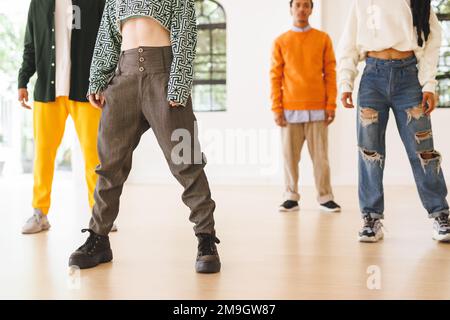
39, 52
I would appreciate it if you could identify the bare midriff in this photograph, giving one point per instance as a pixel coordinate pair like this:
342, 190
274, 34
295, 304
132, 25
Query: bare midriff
143, 32
390, 54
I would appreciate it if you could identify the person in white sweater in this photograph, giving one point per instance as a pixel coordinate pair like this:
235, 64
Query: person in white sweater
400, 42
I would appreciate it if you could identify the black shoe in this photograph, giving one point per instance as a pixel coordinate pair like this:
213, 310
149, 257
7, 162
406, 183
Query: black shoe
208, 260
94, 251
372, 230
289, 206
330, 206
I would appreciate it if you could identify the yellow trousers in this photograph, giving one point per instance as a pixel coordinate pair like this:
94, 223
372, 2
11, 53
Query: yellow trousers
49, 121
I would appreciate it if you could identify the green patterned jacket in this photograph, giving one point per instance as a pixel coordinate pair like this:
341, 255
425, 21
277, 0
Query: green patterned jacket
177, 16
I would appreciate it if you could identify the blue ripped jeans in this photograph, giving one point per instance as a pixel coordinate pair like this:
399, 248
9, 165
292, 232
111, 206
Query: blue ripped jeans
394, 84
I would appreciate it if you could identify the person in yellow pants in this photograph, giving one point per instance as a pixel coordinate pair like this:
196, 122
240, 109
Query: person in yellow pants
60, 51
49, 121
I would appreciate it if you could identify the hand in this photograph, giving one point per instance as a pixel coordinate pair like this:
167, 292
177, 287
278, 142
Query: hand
97, 100
23, 98
347, 100
174, 104
428, 102
329, 116
280, 120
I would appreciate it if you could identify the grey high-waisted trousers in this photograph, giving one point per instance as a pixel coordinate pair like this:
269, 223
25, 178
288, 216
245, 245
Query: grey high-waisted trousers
136, 100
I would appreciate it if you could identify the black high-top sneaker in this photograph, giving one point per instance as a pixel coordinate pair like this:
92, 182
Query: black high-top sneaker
208, 260
94, 251
372, 230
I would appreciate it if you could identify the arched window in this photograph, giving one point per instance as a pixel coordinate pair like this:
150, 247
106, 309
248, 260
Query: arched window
210, 67
442, 8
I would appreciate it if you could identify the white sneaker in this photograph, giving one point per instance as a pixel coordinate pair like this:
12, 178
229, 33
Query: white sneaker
37, 223
372, 230
441, 229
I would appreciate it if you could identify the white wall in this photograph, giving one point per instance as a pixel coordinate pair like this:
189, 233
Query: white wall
252, 27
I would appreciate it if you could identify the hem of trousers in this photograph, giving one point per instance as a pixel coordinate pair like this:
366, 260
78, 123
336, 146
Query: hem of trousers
43, 210
211, 232
100, 231
291, 197
373, 215
325, 199
438, 214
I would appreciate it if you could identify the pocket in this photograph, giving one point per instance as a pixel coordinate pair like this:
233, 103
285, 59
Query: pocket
113, 76
112, 80
410, 77
164, 80
412, 69
370, 69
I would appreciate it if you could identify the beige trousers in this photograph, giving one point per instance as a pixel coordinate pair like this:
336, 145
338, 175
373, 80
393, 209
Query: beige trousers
293, 137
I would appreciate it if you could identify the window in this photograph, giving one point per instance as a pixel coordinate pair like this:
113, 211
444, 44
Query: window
209, 90
442, 8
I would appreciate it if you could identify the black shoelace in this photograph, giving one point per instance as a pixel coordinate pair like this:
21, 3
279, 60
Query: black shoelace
207, 245
443, 221
369, 222
91, 242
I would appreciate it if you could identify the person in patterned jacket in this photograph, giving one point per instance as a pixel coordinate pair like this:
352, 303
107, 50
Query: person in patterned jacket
141, 77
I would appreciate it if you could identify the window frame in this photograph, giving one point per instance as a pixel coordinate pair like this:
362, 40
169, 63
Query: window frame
443, 17
211, 27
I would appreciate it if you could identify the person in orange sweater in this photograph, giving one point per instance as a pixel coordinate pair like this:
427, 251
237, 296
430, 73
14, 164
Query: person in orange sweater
304, 90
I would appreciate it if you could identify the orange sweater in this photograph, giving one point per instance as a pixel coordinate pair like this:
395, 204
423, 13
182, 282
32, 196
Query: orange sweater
303, 73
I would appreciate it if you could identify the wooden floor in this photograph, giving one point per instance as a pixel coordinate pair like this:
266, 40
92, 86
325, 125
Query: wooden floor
265, 254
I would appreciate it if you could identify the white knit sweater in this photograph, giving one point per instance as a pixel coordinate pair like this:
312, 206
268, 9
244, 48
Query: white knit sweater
375, 25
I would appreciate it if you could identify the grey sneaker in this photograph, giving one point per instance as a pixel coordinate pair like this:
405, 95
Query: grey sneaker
372, 230
37, 223
441, 229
